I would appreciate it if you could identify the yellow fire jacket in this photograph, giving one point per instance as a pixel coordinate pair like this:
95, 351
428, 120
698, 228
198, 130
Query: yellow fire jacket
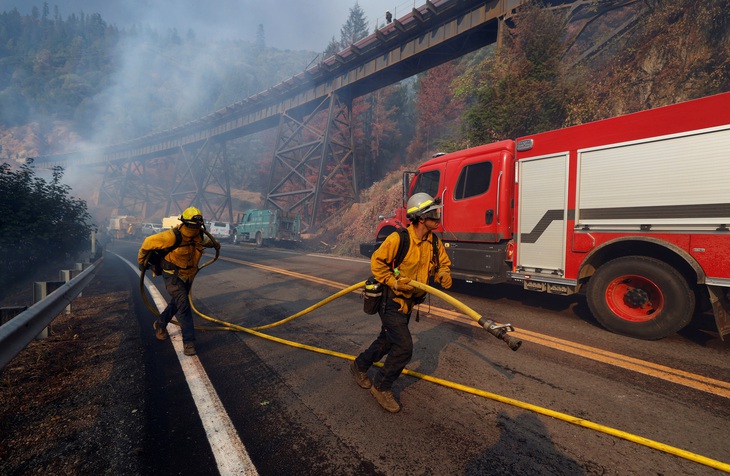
417, 265
186, 256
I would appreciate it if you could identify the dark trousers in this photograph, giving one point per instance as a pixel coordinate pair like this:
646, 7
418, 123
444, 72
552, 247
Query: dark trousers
395, 341
179, 306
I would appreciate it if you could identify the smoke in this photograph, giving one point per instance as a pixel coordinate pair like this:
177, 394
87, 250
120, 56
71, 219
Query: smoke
181, 60
288, 24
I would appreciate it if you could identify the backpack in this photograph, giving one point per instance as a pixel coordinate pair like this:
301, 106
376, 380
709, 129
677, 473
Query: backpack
404, 245
373, 293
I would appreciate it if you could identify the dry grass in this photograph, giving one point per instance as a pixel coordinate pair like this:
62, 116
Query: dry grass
357, 224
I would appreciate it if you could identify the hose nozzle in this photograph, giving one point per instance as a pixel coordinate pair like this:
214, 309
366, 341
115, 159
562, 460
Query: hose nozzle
500, 331
497, 330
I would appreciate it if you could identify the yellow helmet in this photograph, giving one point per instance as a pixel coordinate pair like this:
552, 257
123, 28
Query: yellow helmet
192, 217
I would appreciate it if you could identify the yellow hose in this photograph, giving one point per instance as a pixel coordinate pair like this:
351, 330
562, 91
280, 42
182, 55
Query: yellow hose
311, 308
499, 331
487, 324
578, 421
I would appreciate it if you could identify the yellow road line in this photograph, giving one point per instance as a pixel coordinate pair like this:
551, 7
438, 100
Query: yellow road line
679, 377
527, 406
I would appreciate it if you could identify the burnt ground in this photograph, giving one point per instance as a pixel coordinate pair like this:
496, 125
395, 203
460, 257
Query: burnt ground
74, 403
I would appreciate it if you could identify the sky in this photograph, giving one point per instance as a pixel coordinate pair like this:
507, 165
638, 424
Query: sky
288, 24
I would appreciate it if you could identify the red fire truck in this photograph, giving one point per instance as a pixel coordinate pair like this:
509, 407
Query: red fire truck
633, 211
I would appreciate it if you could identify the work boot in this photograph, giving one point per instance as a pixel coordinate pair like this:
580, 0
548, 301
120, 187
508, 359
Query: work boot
160, 331
386, 399
189, 348
361, 378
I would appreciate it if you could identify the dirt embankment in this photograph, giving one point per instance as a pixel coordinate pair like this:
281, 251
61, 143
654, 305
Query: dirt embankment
74, 402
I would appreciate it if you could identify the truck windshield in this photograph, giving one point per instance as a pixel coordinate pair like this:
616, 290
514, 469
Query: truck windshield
427, 182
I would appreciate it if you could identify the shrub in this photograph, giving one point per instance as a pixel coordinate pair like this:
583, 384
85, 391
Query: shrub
40, 223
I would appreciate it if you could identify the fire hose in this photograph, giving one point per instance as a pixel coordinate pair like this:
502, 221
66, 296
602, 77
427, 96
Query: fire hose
500, 331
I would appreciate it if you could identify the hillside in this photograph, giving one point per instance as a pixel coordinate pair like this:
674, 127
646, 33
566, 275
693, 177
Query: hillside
636, 55
571, 63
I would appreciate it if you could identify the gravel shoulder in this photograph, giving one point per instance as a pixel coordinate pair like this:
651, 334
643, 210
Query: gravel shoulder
74, 403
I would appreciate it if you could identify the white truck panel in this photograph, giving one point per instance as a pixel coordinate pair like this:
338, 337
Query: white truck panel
673, 182
542, 214
170, 222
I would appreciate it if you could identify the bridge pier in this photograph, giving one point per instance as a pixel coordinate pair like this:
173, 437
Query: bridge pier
313, 171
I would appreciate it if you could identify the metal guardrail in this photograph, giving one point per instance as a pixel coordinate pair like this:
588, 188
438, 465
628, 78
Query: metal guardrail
17, 333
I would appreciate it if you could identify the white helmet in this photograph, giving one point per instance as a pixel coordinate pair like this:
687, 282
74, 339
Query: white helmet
422, 205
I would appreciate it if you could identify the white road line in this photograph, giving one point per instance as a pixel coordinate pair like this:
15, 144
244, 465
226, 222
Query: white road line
228, 449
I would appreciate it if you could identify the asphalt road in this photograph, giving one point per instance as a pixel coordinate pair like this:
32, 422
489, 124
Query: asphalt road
574, 399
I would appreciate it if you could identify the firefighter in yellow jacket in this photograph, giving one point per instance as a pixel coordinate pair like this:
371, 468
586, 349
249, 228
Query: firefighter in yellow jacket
179, 267
420, 262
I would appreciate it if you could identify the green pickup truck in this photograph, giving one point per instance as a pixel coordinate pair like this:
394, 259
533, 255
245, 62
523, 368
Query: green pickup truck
265, 227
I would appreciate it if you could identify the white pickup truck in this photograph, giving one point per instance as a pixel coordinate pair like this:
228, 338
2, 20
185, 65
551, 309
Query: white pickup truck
221, 231
148, 229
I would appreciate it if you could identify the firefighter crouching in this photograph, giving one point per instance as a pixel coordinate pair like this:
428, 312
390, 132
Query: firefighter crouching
180, 249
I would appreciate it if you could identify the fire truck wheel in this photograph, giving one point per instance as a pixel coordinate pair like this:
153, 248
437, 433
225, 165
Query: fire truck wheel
640, 297
259, 239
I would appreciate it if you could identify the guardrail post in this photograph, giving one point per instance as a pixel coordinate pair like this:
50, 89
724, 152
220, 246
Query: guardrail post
50, 298
41, 289
66, 275
9, 312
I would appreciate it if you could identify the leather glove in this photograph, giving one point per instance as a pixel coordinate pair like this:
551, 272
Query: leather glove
400, 284
443, 277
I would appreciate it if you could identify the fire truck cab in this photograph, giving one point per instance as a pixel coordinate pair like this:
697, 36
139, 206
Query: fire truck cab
633, 211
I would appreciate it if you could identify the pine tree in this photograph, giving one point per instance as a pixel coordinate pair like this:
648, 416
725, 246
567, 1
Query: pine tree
355, 28
524, 88
260, 38
438, 108
332, 47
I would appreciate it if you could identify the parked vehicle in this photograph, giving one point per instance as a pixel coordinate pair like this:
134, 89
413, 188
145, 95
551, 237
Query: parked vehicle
123, 226
265, 227
148, 229
170, 222
221, 231
633, 211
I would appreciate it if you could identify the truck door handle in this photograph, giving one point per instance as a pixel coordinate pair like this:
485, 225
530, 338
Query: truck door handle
499, 195
489, 217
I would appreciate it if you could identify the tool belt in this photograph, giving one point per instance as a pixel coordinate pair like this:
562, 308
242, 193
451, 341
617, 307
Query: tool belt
167, 266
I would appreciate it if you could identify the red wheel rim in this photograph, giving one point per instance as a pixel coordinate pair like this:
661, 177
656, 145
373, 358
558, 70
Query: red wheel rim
634, 298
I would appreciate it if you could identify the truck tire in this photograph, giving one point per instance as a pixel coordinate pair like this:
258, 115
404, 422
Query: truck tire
259, 239
640, 297
235, 238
